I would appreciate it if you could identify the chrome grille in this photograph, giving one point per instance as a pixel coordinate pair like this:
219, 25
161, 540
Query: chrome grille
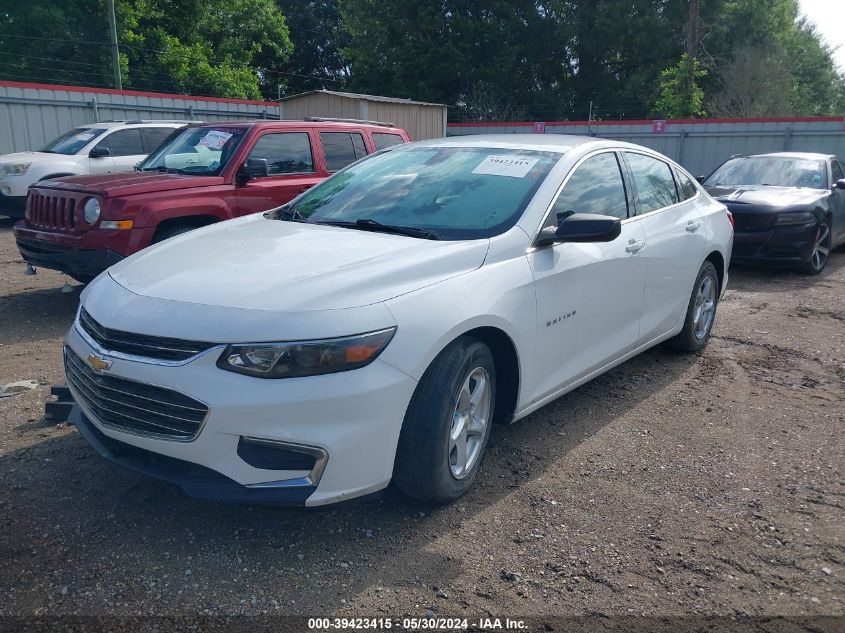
133, 406
52, 211
140, 344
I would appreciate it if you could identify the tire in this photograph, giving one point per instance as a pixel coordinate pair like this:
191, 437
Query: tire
428, 465
83, 279
696, 332
167, 232
821, 250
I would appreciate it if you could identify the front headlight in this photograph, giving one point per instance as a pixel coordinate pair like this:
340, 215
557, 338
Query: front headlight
14, 169
305, 358
802, 217
91, 210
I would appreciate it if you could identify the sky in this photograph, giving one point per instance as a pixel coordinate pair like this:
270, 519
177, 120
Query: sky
829, 19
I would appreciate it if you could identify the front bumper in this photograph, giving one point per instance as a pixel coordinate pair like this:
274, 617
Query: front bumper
13, 206
195, 480
785, 246
79, 263
353, 417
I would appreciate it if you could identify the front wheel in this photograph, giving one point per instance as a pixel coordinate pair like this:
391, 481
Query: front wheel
821, 250
447, 424
701, 311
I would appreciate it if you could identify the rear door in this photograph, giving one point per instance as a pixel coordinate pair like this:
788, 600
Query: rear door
126, 149
676, 238
291, 170
154, 136
342, 148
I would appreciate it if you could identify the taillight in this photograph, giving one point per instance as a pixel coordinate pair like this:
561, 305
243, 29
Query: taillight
730, 218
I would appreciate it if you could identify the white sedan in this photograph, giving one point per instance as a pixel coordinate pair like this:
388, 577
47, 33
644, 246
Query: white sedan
373, 329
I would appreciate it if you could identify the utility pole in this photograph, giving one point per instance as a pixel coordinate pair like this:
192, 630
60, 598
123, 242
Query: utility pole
115, 52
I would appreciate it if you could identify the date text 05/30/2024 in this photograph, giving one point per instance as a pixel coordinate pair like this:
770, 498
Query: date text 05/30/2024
416, 624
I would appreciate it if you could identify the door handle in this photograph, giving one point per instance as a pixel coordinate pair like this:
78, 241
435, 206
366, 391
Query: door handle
693, 226
634, 246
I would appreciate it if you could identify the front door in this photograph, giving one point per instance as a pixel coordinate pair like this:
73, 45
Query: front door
589, 295
291, 171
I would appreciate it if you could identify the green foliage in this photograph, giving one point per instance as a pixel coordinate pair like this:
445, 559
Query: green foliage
681, 97
207, 47
318, 37
497, 59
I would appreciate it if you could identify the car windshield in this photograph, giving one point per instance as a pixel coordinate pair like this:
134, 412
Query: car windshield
73, 141
452, 193
773, 171
202, 151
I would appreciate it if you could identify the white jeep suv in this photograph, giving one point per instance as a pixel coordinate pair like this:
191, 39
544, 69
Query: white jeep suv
97, 148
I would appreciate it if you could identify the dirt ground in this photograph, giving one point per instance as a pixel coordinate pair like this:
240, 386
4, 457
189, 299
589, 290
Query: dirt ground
704, 485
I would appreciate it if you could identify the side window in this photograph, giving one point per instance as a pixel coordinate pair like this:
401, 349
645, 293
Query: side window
124, 143
285, 152
386, 140
686, 187
342, 148
596, 186
654, 182
836, 168
153, 137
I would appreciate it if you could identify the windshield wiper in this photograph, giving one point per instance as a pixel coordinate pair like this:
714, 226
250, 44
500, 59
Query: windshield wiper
289, 214
374, 225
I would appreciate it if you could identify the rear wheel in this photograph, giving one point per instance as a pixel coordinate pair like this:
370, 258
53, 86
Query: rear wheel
448, 423
821, 250
701, 311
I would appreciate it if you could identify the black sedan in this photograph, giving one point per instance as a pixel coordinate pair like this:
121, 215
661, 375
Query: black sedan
788, 208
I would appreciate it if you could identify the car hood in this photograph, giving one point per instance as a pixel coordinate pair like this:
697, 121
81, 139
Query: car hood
25, 157
257, 263
755, 197
129, 183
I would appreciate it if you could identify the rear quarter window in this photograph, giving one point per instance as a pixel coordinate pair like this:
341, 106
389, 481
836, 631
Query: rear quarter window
383, 139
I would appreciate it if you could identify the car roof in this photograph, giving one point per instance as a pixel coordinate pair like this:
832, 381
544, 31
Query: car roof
297, 123
804, 155
138, 122
560, 143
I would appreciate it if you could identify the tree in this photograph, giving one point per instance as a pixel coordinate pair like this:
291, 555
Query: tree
755, 83
318, 37
680, 95
209, 47
202, 46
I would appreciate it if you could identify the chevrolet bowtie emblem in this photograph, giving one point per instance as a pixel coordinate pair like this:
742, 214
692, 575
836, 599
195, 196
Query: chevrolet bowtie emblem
98, 364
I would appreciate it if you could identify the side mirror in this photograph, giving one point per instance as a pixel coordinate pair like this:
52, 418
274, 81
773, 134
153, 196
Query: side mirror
98, 151
840, 184
582, 227
701, 179
254, 168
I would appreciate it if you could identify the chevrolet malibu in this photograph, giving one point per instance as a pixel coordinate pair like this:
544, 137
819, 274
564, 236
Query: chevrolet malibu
374, 328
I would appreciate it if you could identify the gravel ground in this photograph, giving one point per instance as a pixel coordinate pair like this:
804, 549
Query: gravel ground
705, 485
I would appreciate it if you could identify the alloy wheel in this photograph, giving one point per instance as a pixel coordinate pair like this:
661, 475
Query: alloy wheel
821, 247
469, 423
705, 307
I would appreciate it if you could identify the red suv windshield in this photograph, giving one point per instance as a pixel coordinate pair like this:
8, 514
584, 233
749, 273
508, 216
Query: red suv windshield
200, 151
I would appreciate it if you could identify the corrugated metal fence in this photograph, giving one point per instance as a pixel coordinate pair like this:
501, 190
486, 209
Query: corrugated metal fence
700, 145
31, 115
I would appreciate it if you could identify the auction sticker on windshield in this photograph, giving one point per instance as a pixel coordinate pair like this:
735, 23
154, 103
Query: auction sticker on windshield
215, 139
512, 166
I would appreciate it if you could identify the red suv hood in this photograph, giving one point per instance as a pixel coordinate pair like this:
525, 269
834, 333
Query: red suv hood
128, 184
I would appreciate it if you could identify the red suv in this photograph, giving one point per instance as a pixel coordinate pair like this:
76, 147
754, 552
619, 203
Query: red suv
200, 174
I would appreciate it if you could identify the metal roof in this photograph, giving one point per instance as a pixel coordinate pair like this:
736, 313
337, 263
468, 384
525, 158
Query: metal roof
355, 95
